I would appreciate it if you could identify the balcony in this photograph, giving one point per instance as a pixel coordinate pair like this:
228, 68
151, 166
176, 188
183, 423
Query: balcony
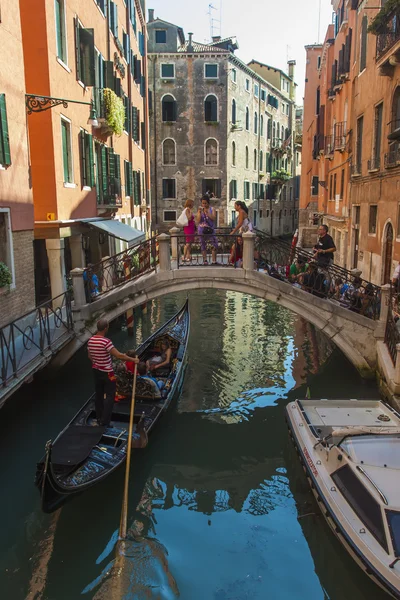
340, 136
329, 144
388, 43
392, 158
319, 145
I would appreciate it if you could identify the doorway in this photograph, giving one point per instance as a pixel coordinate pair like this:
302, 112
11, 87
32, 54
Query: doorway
387, 253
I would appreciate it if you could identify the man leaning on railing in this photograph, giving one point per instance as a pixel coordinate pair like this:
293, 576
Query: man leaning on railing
325, 248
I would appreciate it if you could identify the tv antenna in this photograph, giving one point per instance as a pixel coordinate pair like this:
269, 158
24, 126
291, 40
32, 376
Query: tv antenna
215, 24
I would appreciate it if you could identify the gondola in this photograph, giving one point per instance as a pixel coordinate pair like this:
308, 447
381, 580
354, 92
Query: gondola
83, 454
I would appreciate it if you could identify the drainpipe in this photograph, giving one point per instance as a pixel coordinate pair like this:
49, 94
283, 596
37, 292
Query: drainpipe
155, 139
146, 120
258, 146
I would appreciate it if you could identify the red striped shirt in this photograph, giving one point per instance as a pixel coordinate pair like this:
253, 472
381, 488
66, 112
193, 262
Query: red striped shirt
99, 351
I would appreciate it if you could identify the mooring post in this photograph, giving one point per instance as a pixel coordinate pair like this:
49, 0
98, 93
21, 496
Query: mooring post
385, 301
78, 286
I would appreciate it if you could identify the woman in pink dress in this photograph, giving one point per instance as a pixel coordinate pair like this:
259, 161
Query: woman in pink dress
189, 231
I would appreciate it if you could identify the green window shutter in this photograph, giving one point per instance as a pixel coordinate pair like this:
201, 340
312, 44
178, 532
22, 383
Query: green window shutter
117, 178
114, 18
130, 179
82, 147
109, 75
78, 49
5, 156
134, 123
127, 168
104, 176
136, 195
65, 148
127, 124
86, 47
89, 160
110, 174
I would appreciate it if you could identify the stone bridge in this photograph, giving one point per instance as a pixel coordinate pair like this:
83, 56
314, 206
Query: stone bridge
356, 336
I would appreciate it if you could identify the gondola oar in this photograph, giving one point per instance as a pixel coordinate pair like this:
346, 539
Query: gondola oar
124, 512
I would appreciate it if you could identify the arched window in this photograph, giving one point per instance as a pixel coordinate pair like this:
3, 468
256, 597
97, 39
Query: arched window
269, 125
274, 132
247, 119
233, 112
169, 152
261, 160
255, 122
211, 152
261, 125
247, 157
282, 133
255, 160
211, 108
233, 154
168, 108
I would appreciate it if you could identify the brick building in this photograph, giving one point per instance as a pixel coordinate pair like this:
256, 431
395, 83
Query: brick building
350, 139
217, 125
16, 200
89, 184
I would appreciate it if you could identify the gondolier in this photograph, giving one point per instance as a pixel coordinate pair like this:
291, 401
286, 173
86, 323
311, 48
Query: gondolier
100, 350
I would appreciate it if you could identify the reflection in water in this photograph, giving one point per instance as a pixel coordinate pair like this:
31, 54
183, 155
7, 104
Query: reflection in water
219, 506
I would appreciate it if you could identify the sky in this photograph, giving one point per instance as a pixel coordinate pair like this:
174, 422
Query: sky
270, 31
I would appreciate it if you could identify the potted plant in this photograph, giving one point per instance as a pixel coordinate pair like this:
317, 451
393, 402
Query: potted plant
5, 276
383, 21
280, 176
114, 111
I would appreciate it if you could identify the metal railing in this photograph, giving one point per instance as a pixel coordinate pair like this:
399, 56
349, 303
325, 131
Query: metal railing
329, 144
340, 135
29, 337
392, 334
219, 249
394, 129
325, 281
392, 158
385, 41
118, 269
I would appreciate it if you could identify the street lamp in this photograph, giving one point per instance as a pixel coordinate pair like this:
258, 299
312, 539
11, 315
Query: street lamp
35, 103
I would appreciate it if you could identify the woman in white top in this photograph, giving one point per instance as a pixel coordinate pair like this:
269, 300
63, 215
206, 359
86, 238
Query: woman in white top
243, 223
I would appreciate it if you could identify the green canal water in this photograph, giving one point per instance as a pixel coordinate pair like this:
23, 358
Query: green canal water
219, 506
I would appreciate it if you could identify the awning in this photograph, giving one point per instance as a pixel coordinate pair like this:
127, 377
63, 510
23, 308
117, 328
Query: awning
119, 230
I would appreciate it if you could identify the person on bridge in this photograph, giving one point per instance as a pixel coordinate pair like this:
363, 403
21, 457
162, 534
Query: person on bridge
100, 351
243, 223
205, 219
189, 230
324, 248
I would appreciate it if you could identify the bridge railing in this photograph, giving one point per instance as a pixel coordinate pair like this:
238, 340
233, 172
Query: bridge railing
392, 333
116, 270
332, 281
220, 249
29, 337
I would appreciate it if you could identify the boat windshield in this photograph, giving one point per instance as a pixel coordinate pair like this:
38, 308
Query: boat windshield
393, 517
374, 450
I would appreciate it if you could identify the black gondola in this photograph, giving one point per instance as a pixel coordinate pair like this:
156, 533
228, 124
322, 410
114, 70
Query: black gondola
82, 454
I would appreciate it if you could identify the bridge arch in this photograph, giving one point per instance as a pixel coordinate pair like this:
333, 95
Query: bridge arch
353, 334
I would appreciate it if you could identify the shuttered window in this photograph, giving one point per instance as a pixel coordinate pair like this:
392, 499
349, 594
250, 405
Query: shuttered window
87, 160
314, 186
363, 49
66, 150
246, 190
5, 156
126, 46
233, 189
114, 18
85, 54
169, 188
132, 14
135, 124
141, 43
137, 190
59, 8
143, 135
128, 178
127, 123
211, 186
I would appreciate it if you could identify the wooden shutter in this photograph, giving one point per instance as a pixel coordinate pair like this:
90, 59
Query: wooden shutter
130, 179
110, 194
104, 176
363, 52
135, 128
86, 61
5, 156
143, 137
82, 148
143, 86
127, 124
77, 49
138, 70
109, 75
89, 160
347, 51
117, 175
117, 86
114, 18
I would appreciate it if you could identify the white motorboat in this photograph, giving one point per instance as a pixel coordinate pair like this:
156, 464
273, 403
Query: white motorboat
350, 451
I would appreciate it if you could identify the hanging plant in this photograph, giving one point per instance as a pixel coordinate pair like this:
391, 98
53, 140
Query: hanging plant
114, 111
5, 275
382, 22
280, 175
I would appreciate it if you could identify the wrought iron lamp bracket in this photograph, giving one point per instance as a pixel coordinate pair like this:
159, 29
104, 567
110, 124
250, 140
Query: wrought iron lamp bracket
35, 103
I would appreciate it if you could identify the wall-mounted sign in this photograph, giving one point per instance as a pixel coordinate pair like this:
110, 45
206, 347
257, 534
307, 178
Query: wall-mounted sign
51, 216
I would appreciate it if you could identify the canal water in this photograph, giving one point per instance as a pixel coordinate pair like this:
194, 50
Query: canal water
219, 506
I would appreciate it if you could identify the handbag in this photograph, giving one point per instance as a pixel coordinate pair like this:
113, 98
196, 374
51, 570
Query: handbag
182, 220
207, 230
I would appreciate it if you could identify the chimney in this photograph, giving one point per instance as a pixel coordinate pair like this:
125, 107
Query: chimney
216, 38
291, 66
190, 44
151, 15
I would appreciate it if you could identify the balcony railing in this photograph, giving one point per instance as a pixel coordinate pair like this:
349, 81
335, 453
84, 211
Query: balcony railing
394, 130
340, 135
385, 41
329, 144
392, 158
